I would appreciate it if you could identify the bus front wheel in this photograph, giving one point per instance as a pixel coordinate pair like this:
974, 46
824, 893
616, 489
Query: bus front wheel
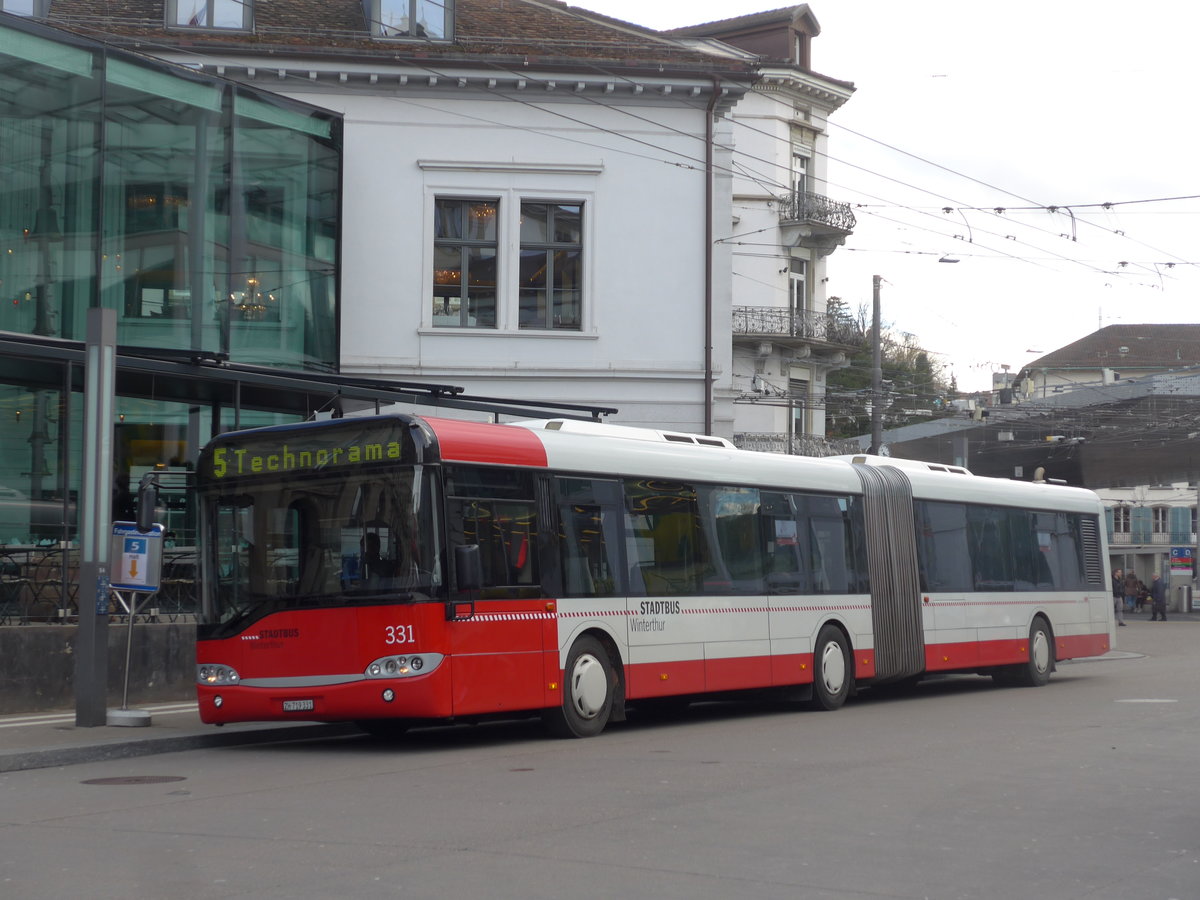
833, 671
589, 683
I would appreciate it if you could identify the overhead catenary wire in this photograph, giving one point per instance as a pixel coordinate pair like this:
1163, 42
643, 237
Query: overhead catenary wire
690, 161
693, 161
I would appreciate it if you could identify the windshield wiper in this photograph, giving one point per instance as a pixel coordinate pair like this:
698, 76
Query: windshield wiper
397, 596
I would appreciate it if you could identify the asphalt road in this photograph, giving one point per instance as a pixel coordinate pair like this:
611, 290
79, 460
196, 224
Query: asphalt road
1085, 788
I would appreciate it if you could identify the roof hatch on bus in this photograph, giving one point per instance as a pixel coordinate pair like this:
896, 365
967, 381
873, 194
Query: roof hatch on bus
627, 432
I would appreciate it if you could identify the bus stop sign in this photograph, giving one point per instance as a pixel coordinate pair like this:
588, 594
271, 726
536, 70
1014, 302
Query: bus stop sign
136, 558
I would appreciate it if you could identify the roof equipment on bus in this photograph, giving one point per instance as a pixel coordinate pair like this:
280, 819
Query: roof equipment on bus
628, 432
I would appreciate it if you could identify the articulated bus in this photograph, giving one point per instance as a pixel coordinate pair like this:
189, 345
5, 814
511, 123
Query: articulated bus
396, 570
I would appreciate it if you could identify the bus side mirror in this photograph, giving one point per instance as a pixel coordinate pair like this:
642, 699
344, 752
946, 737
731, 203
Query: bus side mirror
147, 502
468, 569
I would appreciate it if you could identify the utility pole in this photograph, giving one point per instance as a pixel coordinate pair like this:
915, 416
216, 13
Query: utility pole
876, 371
91, 646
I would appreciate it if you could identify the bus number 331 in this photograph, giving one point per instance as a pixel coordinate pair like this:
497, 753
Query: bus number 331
399, 634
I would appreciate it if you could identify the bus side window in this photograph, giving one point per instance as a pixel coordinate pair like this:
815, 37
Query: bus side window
663, 539
830, 545
734, 530
943, 552
785, 568
494, 508
589, 517
991, 548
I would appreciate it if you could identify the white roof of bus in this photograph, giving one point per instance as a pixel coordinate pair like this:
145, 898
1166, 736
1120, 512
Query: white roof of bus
596, 447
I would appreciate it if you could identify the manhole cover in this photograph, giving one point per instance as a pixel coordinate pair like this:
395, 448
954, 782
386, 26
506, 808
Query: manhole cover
135, 779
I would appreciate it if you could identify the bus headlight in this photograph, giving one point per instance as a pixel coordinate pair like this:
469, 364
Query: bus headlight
403, 666
211, 673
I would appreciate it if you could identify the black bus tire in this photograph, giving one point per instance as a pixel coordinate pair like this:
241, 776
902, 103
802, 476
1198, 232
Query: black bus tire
833, 669
1035, 671
589, 684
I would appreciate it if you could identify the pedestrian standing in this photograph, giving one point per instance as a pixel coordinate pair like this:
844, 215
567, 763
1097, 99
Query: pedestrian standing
1118, 592
1158, 599
1131, 585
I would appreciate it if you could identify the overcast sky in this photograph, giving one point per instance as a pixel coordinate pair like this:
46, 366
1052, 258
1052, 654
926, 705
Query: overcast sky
979, 107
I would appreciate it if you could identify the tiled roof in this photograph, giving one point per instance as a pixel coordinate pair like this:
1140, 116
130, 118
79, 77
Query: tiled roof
1128, 347
537, 31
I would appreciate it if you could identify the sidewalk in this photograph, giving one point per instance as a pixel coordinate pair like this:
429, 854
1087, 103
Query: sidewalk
44, 740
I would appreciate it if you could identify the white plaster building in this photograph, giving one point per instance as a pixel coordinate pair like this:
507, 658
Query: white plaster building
528, 196
543, 203
783, 227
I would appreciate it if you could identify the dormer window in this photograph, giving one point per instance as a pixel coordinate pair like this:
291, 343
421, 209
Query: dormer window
800, 48
431, 20
234, 15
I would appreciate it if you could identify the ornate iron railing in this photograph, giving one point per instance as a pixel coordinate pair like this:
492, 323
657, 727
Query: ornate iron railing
794, 445
1178, 538
771, 321
800, 206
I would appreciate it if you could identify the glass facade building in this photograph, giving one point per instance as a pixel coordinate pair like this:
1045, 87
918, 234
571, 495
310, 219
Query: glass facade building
205, 213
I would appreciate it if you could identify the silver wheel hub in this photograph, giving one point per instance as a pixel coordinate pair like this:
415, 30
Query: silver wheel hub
1039, 651
833, 668
589, 686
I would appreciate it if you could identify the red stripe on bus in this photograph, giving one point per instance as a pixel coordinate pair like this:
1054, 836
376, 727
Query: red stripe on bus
1078, 646
982, 654
737, 673
482, 443
663, 679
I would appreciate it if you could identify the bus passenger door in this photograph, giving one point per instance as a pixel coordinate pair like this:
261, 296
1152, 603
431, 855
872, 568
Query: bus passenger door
496, 652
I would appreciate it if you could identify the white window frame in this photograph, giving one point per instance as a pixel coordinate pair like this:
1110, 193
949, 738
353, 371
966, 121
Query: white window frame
799, 175
508, 249
377, 14
798, 288
174, 9
1121, 519
800, 396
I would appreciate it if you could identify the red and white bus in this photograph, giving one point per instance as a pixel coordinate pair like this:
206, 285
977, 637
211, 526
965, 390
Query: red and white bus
395, 569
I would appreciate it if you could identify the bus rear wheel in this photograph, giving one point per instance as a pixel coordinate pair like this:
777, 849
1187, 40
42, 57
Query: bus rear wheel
1036, 669
589, 683
833, 670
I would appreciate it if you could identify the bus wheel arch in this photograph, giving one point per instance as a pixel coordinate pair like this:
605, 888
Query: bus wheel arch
833, 668
1039, 659
593, 691
1035, 672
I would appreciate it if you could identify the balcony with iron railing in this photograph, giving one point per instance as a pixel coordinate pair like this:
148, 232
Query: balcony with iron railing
813, 220
1144, 538
776, 324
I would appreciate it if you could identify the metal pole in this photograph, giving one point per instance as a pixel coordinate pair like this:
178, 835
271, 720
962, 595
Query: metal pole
130, 608
91, 648
876, 371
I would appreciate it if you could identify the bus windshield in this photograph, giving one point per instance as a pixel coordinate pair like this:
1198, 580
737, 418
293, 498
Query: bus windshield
319, 536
